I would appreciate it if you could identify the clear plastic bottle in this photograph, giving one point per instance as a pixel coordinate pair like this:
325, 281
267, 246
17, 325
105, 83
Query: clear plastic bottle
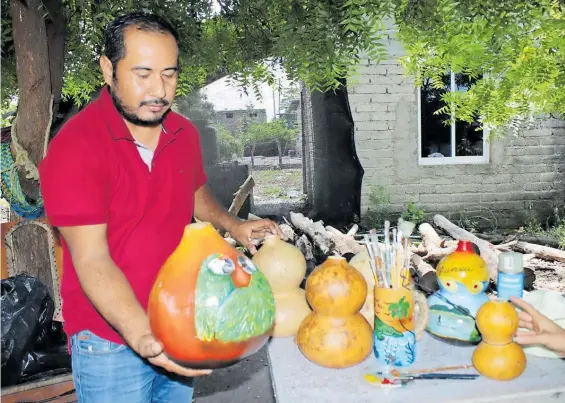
510, 281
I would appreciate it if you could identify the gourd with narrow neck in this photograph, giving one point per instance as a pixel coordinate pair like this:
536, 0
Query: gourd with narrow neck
284, 266
335, 334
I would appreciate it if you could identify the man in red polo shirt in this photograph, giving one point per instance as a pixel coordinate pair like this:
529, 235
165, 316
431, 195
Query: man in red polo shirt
121, 180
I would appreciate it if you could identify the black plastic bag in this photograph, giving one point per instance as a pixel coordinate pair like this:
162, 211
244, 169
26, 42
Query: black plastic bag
26, 312
49, 356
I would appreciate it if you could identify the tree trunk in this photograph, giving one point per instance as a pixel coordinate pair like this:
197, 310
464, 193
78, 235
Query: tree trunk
252, 154
34, 83
56, 33
279, 148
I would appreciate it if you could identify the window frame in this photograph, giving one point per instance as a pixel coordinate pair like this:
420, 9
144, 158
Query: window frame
454, 159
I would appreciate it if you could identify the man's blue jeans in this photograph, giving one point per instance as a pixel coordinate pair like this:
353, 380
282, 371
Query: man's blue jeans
106, 372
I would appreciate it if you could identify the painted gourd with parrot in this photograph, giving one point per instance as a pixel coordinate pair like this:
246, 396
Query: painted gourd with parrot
209, 306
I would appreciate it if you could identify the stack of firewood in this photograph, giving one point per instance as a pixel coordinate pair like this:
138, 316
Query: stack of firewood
318, 241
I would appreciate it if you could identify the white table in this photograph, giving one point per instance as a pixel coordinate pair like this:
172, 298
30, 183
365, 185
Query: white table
297, 380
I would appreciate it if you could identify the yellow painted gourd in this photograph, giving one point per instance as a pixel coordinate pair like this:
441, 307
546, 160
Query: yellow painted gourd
497, 356
335, 334
284, 266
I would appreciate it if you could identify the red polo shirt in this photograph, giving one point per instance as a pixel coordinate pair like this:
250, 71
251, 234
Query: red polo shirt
94, 174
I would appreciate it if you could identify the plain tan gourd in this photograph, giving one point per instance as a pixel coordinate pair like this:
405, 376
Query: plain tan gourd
284, 266
498, 356
335, 334
361, 262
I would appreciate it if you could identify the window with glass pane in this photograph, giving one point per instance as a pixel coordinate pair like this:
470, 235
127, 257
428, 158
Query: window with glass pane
444, 138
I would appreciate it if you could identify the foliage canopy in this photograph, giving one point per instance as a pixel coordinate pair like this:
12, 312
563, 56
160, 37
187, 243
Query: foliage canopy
517, 47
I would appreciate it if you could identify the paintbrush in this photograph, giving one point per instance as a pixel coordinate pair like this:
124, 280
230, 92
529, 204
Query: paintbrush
387, 251
377, 255
372, 262
442, 376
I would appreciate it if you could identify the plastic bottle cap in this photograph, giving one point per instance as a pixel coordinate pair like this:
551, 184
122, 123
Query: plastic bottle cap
512, 262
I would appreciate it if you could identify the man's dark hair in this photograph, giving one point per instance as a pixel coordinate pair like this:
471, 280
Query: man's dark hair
114, 46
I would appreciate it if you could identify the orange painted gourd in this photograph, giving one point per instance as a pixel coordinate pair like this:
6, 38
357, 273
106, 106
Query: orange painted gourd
497, 356
335, 334
284, 266
209, 305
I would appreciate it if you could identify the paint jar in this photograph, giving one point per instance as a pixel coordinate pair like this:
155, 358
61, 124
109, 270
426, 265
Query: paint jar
396, 326
510, 280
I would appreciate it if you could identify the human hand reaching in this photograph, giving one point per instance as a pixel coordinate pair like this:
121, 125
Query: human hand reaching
245, 231
150, 348
543, 330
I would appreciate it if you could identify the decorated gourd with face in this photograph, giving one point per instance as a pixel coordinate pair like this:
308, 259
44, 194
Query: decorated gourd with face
462, 278
210, 306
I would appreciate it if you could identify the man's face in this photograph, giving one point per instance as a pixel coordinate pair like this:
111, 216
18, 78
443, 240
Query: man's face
143, 83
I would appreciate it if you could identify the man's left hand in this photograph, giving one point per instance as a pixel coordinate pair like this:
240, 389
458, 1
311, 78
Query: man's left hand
245, 231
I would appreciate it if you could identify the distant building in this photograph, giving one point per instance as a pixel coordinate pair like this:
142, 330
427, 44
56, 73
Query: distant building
235, 120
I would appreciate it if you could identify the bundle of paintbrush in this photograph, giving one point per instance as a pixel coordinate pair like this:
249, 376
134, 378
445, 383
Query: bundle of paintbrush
389, 260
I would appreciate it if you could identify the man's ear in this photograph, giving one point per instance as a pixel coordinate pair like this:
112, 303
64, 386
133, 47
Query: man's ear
107, 69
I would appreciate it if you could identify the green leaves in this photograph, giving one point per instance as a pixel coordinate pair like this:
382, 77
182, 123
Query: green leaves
268, 131
516, 47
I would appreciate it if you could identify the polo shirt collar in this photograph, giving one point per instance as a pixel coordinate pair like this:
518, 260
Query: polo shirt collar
117, 126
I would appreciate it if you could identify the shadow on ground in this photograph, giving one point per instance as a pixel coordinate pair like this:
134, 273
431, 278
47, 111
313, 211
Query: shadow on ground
245, 382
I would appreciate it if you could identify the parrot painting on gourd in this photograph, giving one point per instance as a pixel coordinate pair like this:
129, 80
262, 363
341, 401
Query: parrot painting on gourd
230, 300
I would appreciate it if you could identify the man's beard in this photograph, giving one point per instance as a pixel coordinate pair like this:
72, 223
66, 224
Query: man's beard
132, 117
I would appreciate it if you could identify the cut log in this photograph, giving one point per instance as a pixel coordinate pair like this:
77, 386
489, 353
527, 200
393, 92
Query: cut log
435, 254
241, 195
344, 243
305, 246
542, 252
422, 268
435, 247
353, 230
488, 251
430, 238
288, 231
315, 231
538, 240
425, 274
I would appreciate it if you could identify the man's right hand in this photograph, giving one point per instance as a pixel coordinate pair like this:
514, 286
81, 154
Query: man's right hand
150, 348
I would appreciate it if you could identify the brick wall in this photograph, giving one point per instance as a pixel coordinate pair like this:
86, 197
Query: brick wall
525, 176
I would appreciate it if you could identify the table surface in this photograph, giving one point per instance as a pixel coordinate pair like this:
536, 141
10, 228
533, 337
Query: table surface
297, 380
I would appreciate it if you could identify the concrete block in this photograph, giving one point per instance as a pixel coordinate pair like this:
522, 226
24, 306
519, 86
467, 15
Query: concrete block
553, 139
390, 116
371, 89
436, 198
466, 197
359, 99
551, 177
369, 107
373, 134
372, 70
362, 116
401, 89
538, 186
373, 125
372, 144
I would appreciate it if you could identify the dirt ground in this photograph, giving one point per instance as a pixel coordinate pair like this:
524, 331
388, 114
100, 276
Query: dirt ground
277, 183
549, 275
